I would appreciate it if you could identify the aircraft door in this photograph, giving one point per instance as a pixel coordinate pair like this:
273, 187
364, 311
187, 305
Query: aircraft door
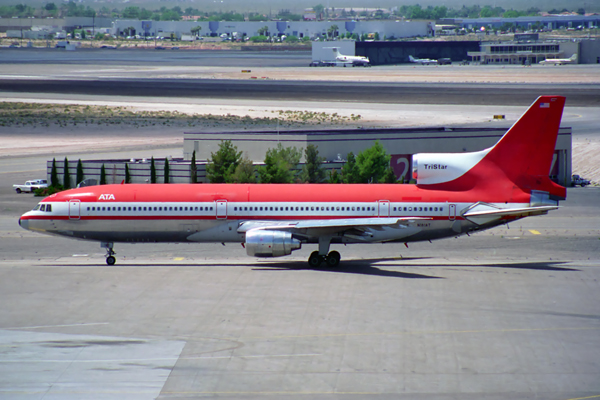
74, 209
221, 209
452, 212
384, 208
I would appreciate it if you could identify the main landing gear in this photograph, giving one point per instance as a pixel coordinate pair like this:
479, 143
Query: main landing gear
331, 259
110, 259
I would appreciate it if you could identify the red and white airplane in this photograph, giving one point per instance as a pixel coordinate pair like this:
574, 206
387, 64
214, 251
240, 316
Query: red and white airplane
454, 194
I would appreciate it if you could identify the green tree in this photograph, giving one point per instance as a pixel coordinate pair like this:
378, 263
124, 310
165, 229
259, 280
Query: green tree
166, 174
244, 173
334, 177
263, 31
102, 175
372, 163
222, 164
389, 176
259, 39
193, 169
54, 174
127, 174
170, 15
79, 172
350, 170
486, 12
131, 13
152, 171
332, 31
312, 170
318, 9
145, 14
278, 165
66, 175
89, 12
256, 17
196, 30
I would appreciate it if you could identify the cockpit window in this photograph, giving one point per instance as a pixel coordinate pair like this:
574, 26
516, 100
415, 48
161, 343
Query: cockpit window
48, 207
36, 208
43, 207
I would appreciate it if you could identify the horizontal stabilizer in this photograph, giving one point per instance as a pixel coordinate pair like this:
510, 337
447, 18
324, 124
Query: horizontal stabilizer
525, 212
485, 216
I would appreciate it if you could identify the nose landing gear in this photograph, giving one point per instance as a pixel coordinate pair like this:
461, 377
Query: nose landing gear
110, 259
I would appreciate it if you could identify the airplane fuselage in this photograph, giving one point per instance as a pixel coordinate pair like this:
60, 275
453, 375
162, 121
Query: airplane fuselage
214, 213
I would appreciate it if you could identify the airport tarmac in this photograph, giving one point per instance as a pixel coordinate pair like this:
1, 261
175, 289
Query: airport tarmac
510, 313
503, 314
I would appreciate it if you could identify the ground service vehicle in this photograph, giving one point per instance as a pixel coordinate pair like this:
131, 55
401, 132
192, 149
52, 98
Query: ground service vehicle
454, 194
577, 180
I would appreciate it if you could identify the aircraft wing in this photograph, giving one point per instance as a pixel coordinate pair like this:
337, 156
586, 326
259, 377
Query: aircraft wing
315, 228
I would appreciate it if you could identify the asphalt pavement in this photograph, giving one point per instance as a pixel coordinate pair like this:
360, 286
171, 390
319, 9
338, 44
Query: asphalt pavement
509, 313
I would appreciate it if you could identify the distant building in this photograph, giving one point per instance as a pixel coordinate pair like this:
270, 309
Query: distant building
523, 52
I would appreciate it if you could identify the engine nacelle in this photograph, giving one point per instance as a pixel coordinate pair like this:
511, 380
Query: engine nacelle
263, 243
431, 168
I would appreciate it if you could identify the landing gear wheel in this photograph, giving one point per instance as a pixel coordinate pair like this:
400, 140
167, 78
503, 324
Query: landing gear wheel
333, 259
315, 259
110, 259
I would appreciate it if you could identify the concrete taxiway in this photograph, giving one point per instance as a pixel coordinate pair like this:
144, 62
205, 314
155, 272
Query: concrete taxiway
508, 313
504, 314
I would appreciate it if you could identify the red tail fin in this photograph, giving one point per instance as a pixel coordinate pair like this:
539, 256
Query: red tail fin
519, 163
525, 152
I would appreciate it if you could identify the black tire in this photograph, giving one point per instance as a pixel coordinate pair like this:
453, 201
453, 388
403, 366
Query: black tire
18, 190
315, 259
110, 260
333, 259
583, 185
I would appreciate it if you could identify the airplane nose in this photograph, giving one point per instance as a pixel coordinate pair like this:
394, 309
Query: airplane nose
24, 223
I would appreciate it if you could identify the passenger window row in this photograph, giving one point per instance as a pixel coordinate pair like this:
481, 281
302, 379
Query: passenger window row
147, 208
48, 208
303, 208
424, 209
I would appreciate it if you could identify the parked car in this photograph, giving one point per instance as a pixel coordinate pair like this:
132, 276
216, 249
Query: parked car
316, 64
30, 186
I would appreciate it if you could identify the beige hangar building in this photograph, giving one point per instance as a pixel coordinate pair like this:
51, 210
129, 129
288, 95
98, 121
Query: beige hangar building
333, 144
